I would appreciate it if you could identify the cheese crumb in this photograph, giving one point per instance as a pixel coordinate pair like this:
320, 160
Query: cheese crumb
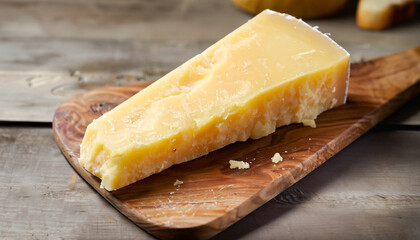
238, 164
309, 123
178, 182
277, 158
334, 101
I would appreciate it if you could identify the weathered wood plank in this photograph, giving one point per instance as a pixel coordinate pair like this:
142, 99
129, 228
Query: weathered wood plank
119, 20
370, 190
408, 115
363, 192
95, 56
43, 198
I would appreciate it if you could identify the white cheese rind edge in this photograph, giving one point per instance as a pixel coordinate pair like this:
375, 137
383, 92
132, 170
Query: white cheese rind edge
316, 28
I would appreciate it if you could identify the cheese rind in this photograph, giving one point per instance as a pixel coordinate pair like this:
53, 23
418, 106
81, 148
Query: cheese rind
272, 71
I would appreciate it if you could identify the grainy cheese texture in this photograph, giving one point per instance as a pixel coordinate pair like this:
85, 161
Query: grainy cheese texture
277, 158
272, 71
238, 164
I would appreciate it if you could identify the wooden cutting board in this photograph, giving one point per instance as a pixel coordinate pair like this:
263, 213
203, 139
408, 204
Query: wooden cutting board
213, 196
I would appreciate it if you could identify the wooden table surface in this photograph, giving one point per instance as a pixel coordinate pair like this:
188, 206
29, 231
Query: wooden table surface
50, 50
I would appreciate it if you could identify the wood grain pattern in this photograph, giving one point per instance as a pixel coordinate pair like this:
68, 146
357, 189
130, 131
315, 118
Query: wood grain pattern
43, 198
214, 196
363, 192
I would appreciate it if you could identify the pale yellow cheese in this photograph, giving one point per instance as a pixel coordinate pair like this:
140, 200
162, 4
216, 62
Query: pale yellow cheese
272, 71
178, 182
310, 123
277, 158
238, 164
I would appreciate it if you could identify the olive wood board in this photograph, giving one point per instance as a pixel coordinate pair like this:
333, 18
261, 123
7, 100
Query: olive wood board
213, 196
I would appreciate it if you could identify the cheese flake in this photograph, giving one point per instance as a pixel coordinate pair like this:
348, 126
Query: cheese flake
178, 182
309, 123
238, 164
277, 158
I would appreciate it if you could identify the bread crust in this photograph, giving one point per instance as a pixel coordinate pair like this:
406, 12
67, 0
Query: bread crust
386, 17
307, 9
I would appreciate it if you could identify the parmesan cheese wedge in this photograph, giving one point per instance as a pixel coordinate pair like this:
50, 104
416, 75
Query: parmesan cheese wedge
272, 71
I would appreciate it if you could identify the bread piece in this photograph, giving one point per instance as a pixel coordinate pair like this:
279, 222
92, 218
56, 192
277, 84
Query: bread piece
307, 9
381, 14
